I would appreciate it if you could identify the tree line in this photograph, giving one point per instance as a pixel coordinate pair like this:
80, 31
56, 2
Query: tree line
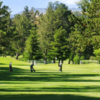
59, 33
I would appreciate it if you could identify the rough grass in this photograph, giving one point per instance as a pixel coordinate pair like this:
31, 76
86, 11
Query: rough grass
76, 82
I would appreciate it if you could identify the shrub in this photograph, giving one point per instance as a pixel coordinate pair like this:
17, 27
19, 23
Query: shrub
76, 59
89, 61
82, 58
92, 58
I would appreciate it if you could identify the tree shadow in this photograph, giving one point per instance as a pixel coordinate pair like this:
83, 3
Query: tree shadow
2, 64
26, 75
46, 97
21, 64
6, 75
19, 74
55, 89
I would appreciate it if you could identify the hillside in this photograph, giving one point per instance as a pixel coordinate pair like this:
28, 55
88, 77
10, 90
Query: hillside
43, 10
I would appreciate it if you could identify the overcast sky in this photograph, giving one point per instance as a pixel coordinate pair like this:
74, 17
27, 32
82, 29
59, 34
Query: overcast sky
18, 5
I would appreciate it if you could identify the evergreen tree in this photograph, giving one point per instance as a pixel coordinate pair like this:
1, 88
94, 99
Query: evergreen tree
6, 30
56, 16
23, 24
32, 49
22, 32
91, 9
59, 48
85, 33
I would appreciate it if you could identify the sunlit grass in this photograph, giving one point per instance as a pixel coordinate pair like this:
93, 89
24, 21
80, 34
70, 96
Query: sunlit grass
76, 82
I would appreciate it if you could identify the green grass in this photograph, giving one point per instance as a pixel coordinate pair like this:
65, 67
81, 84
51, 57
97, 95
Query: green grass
76, 82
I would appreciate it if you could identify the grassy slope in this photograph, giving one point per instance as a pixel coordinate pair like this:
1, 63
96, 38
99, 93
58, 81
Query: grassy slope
76, 82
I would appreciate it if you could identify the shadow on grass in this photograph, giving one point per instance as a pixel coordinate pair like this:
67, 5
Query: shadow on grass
46, 97
19, 74
2, 64
6, 75
22, 65
54, 89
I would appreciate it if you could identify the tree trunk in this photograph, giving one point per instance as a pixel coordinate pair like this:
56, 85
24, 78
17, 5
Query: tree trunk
69, 61
60, 65
79, 58
72, 62
61, 68
62, 61
58, 62
54, 60
45, 59
33, 62
11, 56
17, 54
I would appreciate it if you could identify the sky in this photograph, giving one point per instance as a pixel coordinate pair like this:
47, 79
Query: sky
17, 6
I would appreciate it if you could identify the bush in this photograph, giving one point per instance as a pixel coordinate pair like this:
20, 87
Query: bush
92, 58
76, 59
82, 58
89, 61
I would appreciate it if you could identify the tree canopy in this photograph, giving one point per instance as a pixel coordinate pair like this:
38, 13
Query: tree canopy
59, 33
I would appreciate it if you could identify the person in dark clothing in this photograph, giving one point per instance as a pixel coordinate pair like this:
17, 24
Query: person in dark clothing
31, 67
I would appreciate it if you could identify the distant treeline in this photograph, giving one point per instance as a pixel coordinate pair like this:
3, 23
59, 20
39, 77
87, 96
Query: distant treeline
59, 33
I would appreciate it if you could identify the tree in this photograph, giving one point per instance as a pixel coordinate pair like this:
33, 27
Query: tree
97, 54
85, 32
32, 49
91, 9
56, 16
59, 48
46, 31
22, 32
6, 29
23, 24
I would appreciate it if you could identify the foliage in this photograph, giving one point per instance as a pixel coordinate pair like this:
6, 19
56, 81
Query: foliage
76, 59
6, 29
32, 49
59, 48
56, 17
89, 61
85, 33
22, 32
97, 54
23, 24
62, 33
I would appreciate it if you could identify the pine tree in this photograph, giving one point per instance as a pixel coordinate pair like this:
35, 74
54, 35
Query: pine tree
85, 32
56, 16
91, 9
23, 24
59, 48
22, 32
6, 30
32, 50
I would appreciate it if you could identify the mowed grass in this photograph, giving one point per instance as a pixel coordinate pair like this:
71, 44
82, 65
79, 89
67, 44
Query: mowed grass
76, 82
